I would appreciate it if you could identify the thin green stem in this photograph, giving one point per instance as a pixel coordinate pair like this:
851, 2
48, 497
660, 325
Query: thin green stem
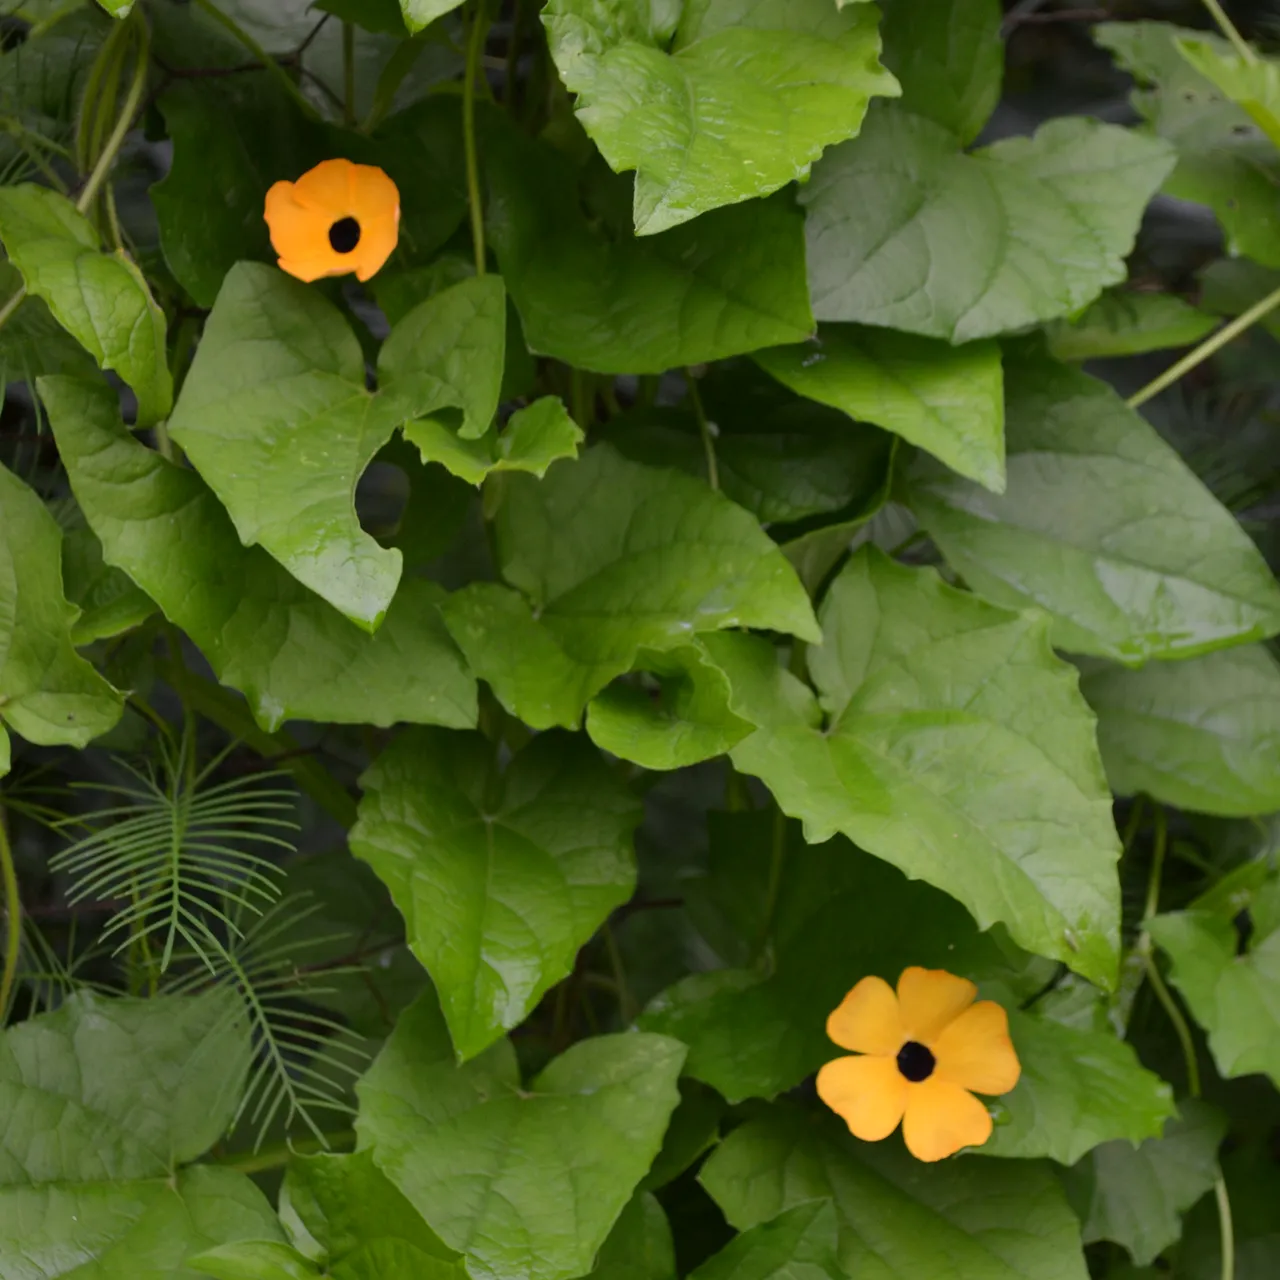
234, 29
102, 168
1209, 347
14, 302
91, 98
1152, 970
1180, 1027
704, 429
475, 51
279, 1155
1157, 866
349, 74
13, 919
1226, 1227
1228, 29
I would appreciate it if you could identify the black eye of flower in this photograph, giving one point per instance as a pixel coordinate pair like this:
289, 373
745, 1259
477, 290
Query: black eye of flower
915, 1061
344, 235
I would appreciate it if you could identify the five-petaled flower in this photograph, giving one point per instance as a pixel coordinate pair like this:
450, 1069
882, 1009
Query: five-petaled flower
923, 1051
337, 218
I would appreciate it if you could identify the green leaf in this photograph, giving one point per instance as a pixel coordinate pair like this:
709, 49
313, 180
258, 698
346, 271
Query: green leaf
1128, 324
947, 400
640, 1246
128, 1230
1254, 85
343, 1213
32, 342
349, 912
286, 650
1136, 1196
721, 103
373, 15
729, 283
109, 603
103, 1099
531, 441
906, 231
839, 916
1224, 160
500, 878
958, 748
799, 1244
446, 356
48, 693
949, 58
101, 299
1103, 525
783, 458
1230, 286
254, 1260
899, 1219
527, 1182
1232, 996
687, 718
275, 416
132, 1087
418, 13
1078, 1088
1202, 735
610, 557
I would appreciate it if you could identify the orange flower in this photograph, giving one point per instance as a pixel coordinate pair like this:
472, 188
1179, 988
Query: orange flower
337, 218
923, 1050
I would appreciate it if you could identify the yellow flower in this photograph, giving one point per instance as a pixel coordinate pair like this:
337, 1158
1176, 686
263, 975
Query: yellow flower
337, 218
923, 1050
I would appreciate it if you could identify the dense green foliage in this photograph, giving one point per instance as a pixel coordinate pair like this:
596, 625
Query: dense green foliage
801, 501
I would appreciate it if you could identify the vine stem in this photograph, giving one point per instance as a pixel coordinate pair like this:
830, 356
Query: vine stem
1210, 346
233, 28
275, 1156
13, 919
704, 429
1228, 29
1181, 1028
123, 124
1228, 1228
475, 51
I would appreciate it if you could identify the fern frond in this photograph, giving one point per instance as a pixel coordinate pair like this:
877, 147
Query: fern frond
184, 858
304, 1061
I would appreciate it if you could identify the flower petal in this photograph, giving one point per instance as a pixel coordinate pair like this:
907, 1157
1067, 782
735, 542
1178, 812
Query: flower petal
309, 269
330, 188
975, 1051
869, 1094
941, 1117
378, 237
374, 195
930, 999
296, 232
867, 1019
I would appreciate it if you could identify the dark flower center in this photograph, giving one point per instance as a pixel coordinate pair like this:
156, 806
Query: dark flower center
344, 235
915, 1061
